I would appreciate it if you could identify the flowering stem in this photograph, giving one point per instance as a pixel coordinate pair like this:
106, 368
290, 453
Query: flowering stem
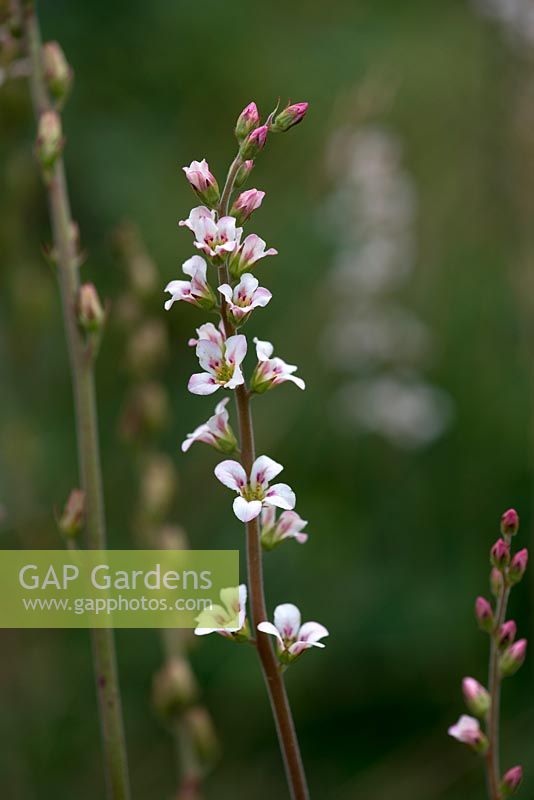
493, 768
82, 370
281, 709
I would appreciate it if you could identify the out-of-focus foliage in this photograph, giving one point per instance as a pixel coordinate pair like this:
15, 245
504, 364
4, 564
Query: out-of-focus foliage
398, 538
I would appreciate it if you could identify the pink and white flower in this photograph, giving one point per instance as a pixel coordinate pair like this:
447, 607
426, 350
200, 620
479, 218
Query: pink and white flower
215, 432
216, 238
271, 371
244, 298
288, 526
228, 619
245, 204
202, 181
254, 492
196, 291
467, 731
292, 637
222, 363
210, 333
245, 256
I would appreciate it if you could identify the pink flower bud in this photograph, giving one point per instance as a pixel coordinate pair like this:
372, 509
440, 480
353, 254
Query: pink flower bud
496, 582
518, 566
57, 73
247, 121
513, 658
245, 204
484, 614
49, 142
507, 633
90, 311
254, 143
289, 117
243, 172
467, 731
500, 554
70, 522
202, 181
510, 522
476, 697
512, 781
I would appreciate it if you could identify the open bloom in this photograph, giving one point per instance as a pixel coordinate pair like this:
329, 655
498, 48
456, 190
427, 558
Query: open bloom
254, 491
222, 362
196, 291
216, 431
292, 637
229, 618
244, 297
245, 204
270, 371
288, 526
467, 730
245, 256
216, 238
202, 181
210, 333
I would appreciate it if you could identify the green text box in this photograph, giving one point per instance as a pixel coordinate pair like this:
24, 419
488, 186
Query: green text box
113, 588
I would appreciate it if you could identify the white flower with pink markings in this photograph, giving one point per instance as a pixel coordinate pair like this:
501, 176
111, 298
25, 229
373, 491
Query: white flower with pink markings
467, 731
210, 333
199, 176
291, 636
215, 432
228, 619
196, 291
215, 237
271, 371
289, 525
252, 250
221, 362
254, 491
244, 298
245, 204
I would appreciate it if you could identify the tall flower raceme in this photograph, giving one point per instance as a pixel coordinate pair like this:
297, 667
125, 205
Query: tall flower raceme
481, 731
221, 281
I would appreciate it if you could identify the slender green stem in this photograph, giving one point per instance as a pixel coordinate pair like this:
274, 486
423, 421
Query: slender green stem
82, 371
493, 768
274, 681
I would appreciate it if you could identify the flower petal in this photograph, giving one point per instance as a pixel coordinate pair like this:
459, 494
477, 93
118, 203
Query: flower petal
281, 495
311, 632
231, 474
287, 620
268, 627
264, 469
236, 349
202, 383
245, 510
264, 349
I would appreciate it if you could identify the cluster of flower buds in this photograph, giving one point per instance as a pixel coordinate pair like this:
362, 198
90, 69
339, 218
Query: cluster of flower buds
228, 257
57, 76
507, 654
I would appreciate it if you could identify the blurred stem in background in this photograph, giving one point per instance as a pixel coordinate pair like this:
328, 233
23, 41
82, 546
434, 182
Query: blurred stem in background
144, 415
81, 308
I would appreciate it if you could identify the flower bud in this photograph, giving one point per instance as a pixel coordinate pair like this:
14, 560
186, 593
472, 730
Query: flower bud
49, 142
245, 204
174, 688
500, 554
513, 658
518, 566
203, 182
243, 172
71, 521
203, 733
248, 120
90, 311
484, 614
496, 582
511, 781
289, 117
467, 731
477, 698
254, 143
510, 522
507, 634
57, 72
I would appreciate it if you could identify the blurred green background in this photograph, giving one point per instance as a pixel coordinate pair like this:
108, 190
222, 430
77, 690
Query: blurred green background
398, 536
